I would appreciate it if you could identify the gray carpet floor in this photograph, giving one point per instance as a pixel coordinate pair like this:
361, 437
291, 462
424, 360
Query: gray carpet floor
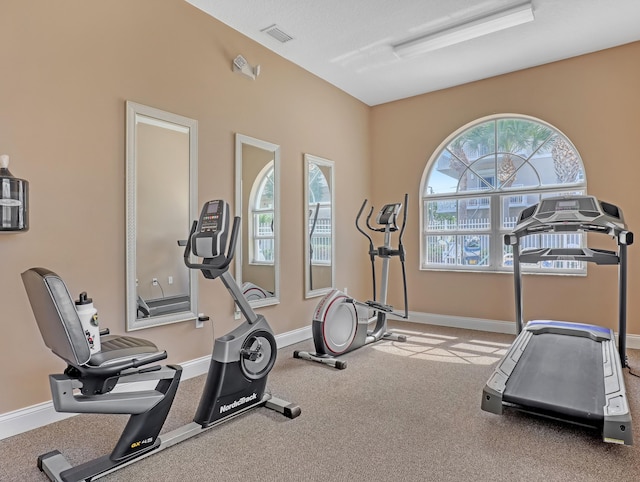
400, 411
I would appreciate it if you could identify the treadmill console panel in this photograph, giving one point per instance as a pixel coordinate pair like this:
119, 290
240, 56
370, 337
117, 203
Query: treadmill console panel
586, 207
571, 213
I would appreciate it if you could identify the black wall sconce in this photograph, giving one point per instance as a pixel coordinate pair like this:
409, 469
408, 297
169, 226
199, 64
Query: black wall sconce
14, 200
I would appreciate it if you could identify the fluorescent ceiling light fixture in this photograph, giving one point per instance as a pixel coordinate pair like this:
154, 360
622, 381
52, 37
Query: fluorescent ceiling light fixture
474, 28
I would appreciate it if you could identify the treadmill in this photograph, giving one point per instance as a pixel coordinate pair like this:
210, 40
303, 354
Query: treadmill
557, 369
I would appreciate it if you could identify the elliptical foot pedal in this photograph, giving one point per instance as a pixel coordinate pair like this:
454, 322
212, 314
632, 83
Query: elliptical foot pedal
380, 306
394, 337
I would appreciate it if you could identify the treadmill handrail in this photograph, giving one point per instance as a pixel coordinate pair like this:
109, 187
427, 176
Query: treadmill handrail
588, 255
608, 220
564, 226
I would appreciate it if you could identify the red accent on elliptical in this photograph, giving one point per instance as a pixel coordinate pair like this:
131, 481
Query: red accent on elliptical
353, 334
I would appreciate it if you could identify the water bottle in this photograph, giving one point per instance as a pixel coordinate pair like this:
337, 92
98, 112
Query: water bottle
89, 319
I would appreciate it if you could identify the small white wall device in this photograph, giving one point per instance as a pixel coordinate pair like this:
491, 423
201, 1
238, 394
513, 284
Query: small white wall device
241, 66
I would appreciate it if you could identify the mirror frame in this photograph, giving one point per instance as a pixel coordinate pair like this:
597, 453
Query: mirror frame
311, 159
133, 110
241, 140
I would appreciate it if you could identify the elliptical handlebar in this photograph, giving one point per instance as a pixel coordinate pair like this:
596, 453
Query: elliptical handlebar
402, 257
372, 250
404, 218
371, 246
386, 251
391, 226
368, 218
367, 221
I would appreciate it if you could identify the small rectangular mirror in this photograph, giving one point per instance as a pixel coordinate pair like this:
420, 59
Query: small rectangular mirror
319, 225
162, 160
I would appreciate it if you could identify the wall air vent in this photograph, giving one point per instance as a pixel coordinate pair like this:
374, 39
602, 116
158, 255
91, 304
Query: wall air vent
277, 34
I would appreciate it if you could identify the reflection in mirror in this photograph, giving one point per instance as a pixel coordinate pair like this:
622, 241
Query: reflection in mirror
319, 225
161, 202
257, 203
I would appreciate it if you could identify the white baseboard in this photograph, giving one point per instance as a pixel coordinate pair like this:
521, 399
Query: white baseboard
294, 336
460, 322
25, 419
508, 327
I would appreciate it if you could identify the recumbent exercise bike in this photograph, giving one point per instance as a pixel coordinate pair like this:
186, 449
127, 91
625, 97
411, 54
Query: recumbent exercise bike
236, 381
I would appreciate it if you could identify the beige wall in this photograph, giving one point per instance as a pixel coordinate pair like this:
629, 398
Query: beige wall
66, 70
595, 101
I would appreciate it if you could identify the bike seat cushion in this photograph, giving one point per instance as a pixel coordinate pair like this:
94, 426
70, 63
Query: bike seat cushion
117, 349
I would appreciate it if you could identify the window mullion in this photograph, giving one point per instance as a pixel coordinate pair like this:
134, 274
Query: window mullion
496, 232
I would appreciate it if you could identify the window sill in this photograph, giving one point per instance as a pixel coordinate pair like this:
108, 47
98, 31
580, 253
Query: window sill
509, 272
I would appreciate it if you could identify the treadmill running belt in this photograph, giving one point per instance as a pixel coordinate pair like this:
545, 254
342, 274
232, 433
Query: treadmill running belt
559, 375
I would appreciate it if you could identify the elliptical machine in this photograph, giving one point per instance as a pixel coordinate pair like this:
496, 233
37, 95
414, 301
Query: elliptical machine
341, 323
236, 381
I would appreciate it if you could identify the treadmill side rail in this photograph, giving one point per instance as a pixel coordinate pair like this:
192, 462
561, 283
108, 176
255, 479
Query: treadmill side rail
617, 426
617, 429
494, 389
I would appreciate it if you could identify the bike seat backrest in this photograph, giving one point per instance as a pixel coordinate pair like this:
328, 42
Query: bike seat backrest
62, 331
56, 315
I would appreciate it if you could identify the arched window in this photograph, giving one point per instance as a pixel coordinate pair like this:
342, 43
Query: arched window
261, 245
477, 182
319, 216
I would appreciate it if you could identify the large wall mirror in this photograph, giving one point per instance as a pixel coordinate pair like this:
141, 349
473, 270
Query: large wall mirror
319, 225
162, 160
258, 204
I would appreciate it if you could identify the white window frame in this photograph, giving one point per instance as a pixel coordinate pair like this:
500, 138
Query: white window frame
255, 211
496, 230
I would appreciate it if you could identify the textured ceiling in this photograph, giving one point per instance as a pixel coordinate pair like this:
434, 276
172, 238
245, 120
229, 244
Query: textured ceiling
349, 42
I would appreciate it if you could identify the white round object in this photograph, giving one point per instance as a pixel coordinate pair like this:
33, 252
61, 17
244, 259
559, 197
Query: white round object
339, 321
